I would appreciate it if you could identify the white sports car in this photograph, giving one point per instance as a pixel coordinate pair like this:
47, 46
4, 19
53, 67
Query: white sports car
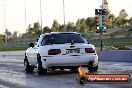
60, 50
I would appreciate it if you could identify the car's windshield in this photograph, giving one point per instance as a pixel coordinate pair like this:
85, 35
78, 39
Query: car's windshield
63, 38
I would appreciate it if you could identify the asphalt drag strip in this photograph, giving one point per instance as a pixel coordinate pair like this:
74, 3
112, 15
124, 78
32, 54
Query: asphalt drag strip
12, 75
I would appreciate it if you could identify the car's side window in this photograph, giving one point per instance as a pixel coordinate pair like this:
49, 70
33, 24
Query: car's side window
46, 40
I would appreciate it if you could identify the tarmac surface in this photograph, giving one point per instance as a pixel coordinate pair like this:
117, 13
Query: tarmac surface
12, 75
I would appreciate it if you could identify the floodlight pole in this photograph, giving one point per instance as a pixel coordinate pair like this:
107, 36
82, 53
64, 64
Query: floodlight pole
5, 23
41, 24
25, 15
64, 15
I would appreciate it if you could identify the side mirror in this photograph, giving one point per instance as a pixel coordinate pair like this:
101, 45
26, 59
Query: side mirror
31, 45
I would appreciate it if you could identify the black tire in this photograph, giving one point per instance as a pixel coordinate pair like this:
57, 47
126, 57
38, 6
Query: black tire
28, 68
40, 68
42, 71
91, 68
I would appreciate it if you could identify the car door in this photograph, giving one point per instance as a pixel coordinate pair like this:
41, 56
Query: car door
30, 55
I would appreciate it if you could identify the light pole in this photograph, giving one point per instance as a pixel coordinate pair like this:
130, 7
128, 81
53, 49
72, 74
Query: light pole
25, 15
41, 24
5, 22
64, 15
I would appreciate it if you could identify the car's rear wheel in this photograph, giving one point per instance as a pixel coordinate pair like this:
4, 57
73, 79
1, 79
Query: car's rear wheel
40, 68
28, 68
91, 68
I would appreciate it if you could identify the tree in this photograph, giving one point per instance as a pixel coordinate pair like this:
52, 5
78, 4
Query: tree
55, 26
123, 14
91, 23
112, 18
117, 22
36, 28
130, 21
70, 26
15, 33
81, 25
9, 34
46, 29
29, 30
122, 18
1, 39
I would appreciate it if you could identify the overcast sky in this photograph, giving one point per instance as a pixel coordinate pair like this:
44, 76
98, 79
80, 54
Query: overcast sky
52, 9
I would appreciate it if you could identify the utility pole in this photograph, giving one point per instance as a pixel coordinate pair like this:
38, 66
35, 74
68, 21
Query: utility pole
64, 15
41, 24
5, 22
25, 15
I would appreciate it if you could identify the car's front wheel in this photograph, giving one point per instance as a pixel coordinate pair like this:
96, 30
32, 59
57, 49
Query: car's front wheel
28, 68
92, 67
42, 70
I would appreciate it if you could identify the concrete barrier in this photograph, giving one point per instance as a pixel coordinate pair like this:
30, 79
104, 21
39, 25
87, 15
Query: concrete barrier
115, 55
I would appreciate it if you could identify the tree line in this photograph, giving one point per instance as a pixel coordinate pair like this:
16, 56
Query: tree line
82, 25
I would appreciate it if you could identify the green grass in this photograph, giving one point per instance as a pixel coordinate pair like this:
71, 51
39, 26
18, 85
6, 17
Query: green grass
112, 41
113, 31
12, 48
123, 32
106, 42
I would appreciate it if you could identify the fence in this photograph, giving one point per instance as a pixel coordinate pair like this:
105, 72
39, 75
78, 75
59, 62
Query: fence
24, 42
